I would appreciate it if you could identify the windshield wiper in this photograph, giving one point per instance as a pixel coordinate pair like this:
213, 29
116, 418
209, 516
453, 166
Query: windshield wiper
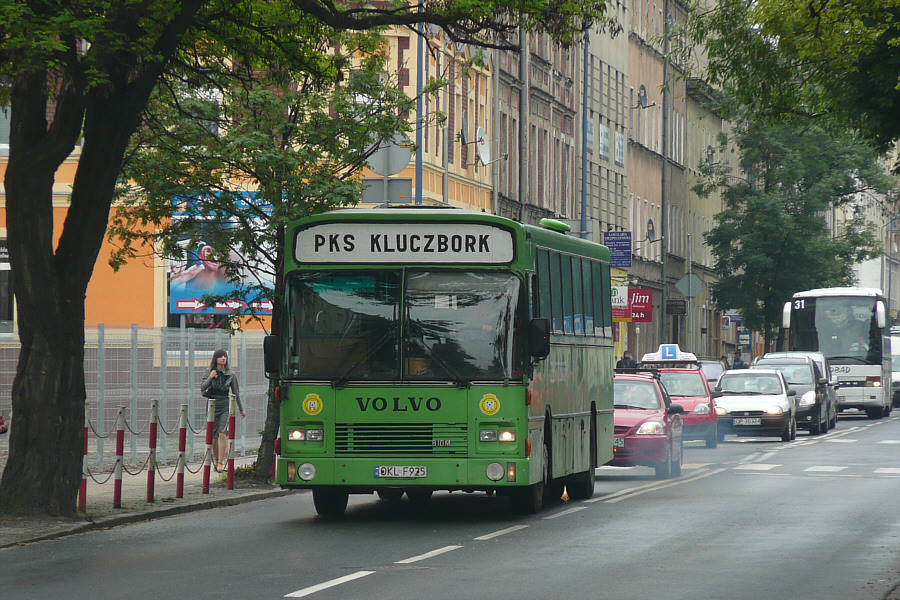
627, 406
378, 345
861, 361
457, 378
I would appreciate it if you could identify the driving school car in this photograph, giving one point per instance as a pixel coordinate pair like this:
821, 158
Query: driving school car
680, 372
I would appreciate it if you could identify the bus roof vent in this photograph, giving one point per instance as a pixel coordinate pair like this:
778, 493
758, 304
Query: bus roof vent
555, 225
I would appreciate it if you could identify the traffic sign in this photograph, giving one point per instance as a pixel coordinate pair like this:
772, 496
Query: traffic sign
689, 285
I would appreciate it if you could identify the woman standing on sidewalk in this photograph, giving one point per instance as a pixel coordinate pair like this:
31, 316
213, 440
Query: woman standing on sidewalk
216, 385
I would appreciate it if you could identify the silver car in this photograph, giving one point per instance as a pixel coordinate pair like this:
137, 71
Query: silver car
755, 402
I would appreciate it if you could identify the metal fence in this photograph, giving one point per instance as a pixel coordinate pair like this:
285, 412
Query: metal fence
132, 367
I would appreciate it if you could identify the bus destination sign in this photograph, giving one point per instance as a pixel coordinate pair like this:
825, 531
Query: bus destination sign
403, 242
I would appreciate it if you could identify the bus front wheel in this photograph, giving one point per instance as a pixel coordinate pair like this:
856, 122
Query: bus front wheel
330, 502
530, 500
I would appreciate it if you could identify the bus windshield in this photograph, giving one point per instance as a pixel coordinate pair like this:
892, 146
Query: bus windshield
843, 328
450, 326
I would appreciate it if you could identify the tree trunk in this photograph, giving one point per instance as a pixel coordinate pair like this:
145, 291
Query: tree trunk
265, 457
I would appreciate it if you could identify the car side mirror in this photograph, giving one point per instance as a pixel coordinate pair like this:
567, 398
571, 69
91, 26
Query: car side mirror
675, 409
792, 392
716, 393
822, 381
272, 354
539, 338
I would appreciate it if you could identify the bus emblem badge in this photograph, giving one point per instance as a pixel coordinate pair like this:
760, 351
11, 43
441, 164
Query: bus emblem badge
489, 404
312, 404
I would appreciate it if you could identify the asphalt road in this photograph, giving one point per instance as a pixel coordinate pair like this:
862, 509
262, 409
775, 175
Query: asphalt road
756, 518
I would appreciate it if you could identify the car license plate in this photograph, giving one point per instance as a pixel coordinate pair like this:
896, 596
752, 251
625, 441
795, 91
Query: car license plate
401, 472
618, 442
747, 421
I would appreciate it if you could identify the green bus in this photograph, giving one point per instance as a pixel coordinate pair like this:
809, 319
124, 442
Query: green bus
430, 349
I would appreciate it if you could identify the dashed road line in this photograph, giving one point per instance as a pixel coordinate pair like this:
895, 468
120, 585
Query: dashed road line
824, 469
662, 486
327, 584
569, 511
437, 552
756, 467
490, 536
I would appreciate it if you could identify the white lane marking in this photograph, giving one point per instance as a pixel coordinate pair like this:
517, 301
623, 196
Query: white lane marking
491, 536
889, 442
824, 469
565, 512
661, 486
840, 441
695, 465
756, 467
437, 552
327, 584
624, 492
887, 471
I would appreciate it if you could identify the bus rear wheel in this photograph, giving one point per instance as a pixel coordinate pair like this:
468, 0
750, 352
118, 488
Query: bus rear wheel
330, 502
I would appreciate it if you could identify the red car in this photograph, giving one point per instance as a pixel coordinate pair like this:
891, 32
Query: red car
683, 378
648, 426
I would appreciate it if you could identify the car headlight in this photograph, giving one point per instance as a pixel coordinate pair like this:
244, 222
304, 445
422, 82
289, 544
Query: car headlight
775, 410
721, 411
701, 409
651, 428
807, 399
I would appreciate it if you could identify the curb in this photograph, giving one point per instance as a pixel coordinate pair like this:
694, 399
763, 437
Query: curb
108, 521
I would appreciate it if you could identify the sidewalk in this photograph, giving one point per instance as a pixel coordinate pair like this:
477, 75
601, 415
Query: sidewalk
101, 514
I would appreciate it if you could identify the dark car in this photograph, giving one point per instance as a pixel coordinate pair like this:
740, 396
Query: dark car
803, 375
648, 426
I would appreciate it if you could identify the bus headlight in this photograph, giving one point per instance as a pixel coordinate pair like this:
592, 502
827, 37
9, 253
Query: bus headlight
488, 435
306, 471
873, 381
495, 471
306, 435
508, 435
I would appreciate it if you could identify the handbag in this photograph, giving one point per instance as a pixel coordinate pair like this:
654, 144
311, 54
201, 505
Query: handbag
3, 426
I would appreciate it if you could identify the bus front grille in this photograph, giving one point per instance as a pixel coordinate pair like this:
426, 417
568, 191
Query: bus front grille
392, 439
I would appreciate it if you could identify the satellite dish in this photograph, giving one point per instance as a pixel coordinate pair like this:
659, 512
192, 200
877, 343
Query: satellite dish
481, 146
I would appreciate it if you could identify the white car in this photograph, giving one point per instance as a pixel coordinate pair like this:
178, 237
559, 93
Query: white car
755, 402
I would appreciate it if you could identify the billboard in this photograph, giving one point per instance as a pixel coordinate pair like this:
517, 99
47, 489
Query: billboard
641, 301
197, 274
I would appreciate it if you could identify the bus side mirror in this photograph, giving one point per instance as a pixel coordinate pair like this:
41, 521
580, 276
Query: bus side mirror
272, 354
880, 318
539, 338
786, 316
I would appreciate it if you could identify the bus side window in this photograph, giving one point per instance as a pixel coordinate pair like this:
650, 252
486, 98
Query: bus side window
588, 303
543, 307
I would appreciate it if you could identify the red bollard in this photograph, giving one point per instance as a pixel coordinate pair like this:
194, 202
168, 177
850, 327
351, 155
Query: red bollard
207, 461
120, 457
229, 480
82, 488
182, 444
151, 460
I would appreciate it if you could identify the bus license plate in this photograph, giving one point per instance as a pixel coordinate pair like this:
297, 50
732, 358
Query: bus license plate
618, 442
748, 421
401, 472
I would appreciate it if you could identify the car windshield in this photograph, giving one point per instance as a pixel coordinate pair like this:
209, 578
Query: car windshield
635, 394
749, 383
687, 383
794, 374
712, 370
